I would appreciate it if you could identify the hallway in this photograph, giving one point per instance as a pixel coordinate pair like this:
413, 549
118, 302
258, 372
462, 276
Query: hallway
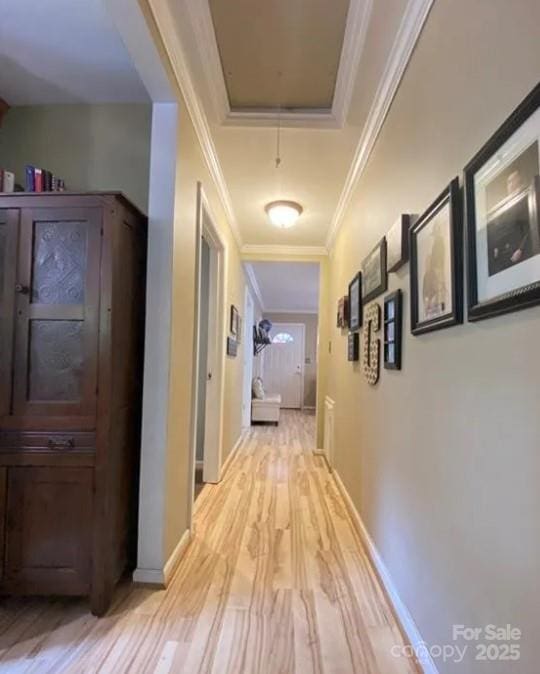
274, 581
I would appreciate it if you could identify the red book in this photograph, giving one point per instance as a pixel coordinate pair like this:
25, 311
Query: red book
38, 177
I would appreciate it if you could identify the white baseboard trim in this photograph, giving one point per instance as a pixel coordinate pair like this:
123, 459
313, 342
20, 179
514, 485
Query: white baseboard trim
227, 463
162, 577
402, 612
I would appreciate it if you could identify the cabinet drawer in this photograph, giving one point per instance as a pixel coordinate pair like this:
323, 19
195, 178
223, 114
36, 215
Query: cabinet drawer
49, 441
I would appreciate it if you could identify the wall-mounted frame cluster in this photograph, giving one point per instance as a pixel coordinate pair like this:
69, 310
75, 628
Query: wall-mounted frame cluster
501, 202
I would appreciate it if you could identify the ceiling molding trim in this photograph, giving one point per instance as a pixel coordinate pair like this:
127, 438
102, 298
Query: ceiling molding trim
292, 311
408, 33
254, 284
175, 52
354, 39
358, 18
251, 249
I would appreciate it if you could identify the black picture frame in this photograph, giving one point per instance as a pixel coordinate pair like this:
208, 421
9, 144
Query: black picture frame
527, 295
376, 260
353, 347
355, 308
393, 330
450, 196
397, 242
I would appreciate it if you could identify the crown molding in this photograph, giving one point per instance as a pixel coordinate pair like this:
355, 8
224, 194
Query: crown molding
406, 38
201, 23
177, 58
254, 284
311, 312
290, 251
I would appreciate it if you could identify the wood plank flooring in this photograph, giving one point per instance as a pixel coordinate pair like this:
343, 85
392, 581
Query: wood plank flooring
275, 581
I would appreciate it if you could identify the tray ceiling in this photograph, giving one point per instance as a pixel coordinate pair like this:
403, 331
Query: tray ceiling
288, 57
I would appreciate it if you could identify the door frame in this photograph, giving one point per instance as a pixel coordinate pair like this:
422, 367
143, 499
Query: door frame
303, 345
205, 227
249, 309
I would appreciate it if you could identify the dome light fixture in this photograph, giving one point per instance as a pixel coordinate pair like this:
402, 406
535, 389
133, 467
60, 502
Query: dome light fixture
283, 214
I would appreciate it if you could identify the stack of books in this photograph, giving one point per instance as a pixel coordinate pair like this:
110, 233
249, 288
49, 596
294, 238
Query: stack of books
41, 180
7, 181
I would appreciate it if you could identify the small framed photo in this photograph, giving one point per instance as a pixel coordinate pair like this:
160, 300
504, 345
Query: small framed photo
502, 196
393, 330
343, 312
232, 347
234, 321
355, 303
397, 242
437, 264
353, 347
374, 276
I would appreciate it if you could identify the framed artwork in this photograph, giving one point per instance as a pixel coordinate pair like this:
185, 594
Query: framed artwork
437, 264
355, 303
353, 346
233, 328
397, 242
232, 347
239, 328
393, 330
374, 276
343, 312
502, 196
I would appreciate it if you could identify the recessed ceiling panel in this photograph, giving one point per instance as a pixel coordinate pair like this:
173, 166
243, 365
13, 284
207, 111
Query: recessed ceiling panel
280, 52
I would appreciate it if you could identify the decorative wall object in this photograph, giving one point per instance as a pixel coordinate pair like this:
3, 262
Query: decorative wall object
232, 347
437, 264
355, 303
393, 330
233, 328
374, 276
353, 346
502, 192
397, 242
261, 336
239, 329
371, 345
343, 312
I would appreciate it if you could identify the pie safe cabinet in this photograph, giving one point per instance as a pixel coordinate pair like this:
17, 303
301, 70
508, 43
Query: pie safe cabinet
72, 291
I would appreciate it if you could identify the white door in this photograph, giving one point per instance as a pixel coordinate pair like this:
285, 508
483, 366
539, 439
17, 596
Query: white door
284, 364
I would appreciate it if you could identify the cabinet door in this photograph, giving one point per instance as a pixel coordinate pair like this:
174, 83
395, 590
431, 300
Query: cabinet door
9, 230
57, 307
49, 529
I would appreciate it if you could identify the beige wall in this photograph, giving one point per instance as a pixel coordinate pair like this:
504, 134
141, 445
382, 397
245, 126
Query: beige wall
92, 147
192, 169
310, 321
443, 459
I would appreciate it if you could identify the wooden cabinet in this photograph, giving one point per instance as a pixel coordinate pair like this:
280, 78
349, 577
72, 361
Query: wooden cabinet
72, 281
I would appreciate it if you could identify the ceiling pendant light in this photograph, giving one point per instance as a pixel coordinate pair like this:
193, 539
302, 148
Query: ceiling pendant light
282, 213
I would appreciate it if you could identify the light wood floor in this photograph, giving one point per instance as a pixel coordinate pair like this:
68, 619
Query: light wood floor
275, 581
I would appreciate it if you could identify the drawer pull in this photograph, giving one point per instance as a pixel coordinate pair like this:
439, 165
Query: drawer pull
60, 443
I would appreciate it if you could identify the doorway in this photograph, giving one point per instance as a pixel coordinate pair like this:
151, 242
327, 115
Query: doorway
207, 417
284, 363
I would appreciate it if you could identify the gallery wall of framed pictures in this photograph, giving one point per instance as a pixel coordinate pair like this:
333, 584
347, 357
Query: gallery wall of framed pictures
500, 205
